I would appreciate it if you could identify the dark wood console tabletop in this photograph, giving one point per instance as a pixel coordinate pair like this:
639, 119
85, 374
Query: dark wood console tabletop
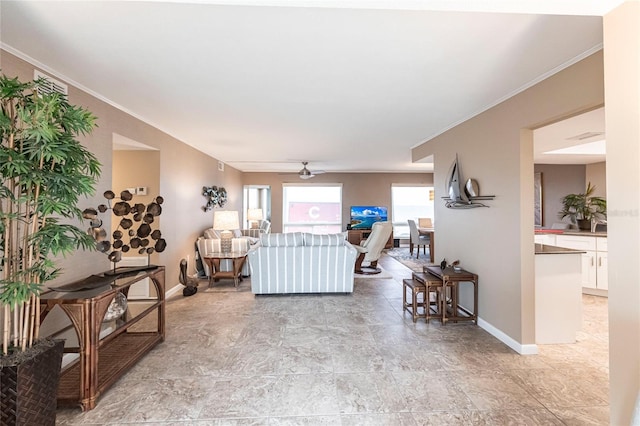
104, 360
452, 311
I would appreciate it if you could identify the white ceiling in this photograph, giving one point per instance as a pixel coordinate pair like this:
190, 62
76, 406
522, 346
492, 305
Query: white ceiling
568, 133
348, 86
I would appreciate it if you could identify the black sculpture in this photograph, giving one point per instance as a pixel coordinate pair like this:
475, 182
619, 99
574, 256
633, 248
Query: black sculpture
190, 284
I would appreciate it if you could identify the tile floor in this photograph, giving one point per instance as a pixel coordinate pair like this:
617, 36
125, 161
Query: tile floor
231, 358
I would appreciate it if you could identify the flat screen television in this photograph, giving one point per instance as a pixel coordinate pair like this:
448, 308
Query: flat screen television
363, 217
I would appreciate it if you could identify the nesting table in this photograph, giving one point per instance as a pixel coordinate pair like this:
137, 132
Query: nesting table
451, 310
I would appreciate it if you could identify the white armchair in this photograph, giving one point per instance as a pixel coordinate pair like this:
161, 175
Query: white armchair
264, 228
371, 248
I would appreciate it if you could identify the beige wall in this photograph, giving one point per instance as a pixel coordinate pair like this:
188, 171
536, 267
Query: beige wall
496, 148
134, 169
357, 189
183, 173
596, 173
622, 71
558, 180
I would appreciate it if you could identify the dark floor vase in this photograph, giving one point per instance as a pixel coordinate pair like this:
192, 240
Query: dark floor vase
28, 389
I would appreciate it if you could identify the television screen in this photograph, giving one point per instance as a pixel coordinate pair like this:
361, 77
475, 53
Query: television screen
363, 217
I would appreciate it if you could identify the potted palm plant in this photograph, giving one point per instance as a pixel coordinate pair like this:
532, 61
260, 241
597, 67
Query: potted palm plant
583, 208
44, 170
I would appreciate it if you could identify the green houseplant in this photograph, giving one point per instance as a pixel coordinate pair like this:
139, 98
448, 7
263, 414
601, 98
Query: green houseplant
44, 170
583, 208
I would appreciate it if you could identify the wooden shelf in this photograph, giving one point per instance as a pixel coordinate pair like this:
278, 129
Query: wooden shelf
116, 357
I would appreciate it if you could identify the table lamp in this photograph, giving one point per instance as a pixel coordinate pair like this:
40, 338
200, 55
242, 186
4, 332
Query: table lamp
225, 221
254, 216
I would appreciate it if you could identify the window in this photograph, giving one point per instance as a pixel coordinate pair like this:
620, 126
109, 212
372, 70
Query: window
410, 202
312, 208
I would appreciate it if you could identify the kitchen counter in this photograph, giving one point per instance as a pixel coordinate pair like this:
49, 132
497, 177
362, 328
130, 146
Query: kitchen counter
558, 294
593, 250
571, 232
547, 249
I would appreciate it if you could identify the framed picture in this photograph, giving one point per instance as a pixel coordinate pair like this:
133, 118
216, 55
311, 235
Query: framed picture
537, 199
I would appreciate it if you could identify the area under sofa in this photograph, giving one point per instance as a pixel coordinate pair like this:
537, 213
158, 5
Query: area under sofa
302, 263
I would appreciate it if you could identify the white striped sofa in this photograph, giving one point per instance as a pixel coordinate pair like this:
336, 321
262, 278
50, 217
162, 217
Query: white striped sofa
302, 263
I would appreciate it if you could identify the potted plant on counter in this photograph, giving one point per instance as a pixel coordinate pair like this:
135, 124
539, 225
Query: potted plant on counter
583, 208
44, 170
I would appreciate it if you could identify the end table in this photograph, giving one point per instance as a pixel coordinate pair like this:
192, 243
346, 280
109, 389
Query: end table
213, 260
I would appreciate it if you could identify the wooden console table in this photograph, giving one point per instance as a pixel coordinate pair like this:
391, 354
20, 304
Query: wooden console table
102, 361
450, 280
355, 237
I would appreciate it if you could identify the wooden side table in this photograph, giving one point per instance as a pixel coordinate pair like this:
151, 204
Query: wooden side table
451, 280
214, 259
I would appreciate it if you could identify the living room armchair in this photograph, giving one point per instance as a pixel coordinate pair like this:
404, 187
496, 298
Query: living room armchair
263, 228
369, 250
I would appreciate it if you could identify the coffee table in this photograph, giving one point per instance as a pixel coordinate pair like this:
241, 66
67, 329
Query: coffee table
214, 259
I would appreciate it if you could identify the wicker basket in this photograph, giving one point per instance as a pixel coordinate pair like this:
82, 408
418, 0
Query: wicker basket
28, 389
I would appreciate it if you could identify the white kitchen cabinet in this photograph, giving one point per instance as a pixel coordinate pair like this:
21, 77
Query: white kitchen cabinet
576, 242
594, 260
603, 269
548, 239
589, 271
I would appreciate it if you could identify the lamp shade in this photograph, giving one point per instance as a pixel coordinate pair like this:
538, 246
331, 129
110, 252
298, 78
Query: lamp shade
254, 214
226, 220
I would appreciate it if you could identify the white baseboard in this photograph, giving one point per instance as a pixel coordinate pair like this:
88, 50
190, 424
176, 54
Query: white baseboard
507, 340
175, 289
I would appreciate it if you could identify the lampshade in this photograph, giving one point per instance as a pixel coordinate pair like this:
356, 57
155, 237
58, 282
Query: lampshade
254, 214
226, 220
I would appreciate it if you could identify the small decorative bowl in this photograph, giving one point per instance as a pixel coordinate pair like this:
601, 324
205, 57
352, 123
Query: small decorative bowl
457, 268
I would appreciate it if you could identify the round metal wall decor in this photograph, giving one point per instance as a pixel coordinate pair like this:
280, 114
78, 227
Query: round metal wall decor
216, 197
136, 218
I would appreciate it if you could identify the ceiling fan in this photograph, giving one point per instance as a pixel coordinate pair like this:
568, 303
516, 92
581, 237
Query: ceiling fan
308, 174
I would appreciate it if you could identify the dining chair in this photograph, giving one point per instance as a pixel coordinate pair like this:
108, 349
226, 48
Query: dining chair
417, 239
